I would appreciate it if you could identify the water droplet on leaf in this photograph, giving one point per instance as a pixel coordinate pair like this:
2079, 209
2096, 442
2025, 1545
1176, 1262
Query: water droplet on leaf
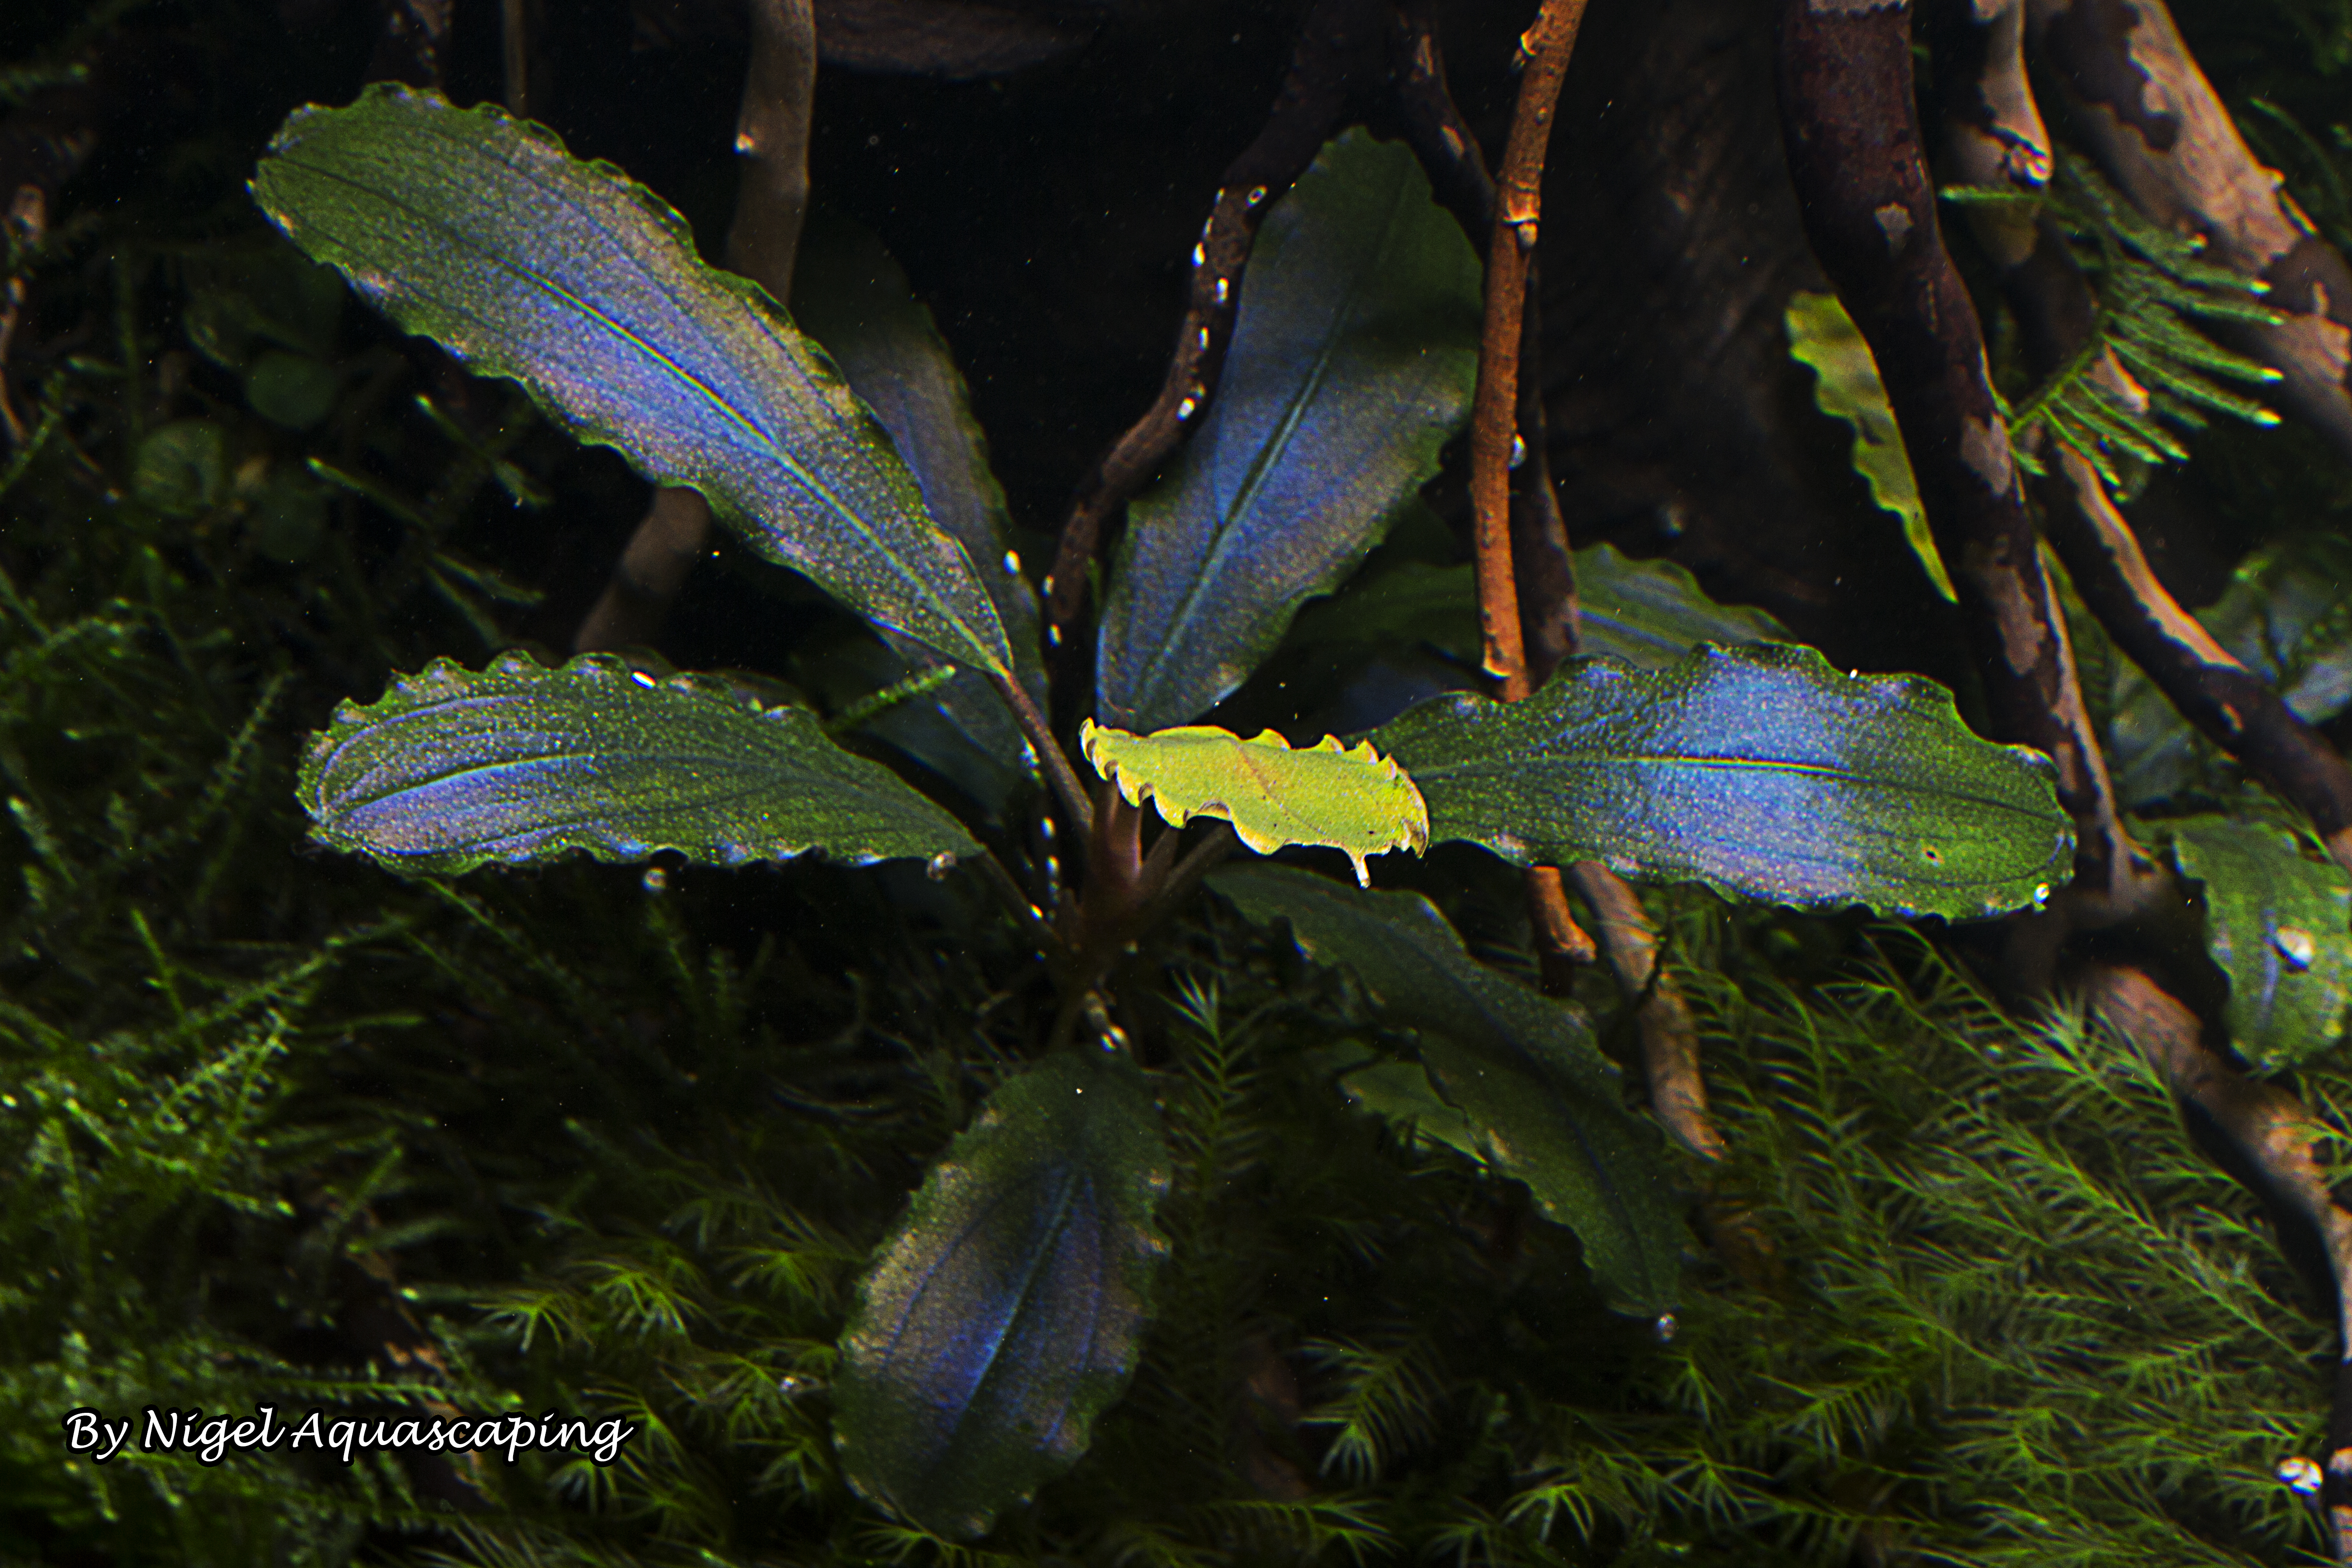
2296, 946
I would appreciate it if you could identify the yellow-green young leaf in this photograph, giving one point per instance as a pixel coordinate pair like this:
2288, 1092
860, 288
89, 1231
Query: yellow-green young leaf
1352, 800
1823, 338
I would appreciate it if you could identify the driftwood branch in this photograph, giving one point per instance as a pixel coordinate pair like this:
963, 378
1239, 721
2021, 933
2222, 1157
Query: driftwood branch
1995, 137
2272, 1136
1854, 145
772, 134
2225, 700
1335, 54
2137, 98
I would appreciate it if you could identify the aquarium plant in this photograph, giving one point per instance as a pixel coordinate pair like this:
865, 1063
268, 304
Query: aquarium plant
1003, 1314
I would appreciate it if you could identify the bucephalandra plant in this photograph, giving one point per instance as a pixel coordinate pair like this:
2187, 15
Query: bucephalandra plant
1005, 1311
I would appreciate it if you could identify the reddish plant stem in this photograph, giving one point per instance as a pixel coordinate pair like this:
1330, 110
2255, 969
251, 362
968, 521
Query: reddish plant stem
1334, 55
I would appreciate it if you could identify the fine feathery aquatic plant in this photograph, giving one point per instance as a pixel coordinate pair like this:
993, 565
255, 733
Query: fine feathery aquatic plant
1005, 1313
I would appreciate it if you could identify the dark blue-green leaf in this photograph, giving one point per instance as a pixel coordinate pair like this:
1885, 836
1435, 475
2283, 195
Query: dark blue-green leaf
1651, 612
453, 768
1353, 360
480, 231
1004, 1315
2279, 924
1521, 1067
1760, 770
855, 302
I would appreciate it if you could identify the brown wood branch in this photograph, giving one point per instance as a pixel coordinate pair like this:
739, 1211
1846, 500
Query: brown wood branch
2139, 99
1543, 565
1337, 53
1543, 569
2273, 1136
1669, 1038
772, 133
1852, 131
1527, 576
2227, 702
1493, 412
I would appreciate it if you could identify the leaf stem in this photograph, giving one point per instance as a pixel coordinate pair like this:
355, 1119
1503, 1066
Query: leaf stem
1063, 778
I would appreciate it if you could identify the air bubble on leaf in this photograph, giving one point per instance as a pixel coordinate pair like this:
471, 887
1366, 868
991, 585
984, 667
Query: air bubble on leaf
939, 866
791, 1385
1518, 450
1665, 1328
1013, 563
2042, 896
2296, 946
655, 879
2300, 1475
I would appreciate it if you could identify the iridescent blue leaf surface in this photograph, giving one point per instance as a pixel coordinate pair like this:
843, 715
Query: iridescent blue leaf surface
453, 768
1760, 770
478, 230
1353, 360
855, 302
1543, 1102
1003, 1314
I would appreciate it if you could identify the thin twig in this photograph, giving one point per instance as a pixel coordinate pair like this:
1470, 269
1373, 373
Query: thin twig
1537, 559
2273, 1135
1333, 53
771, 132
1494, 415
514, 39
1543, 566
